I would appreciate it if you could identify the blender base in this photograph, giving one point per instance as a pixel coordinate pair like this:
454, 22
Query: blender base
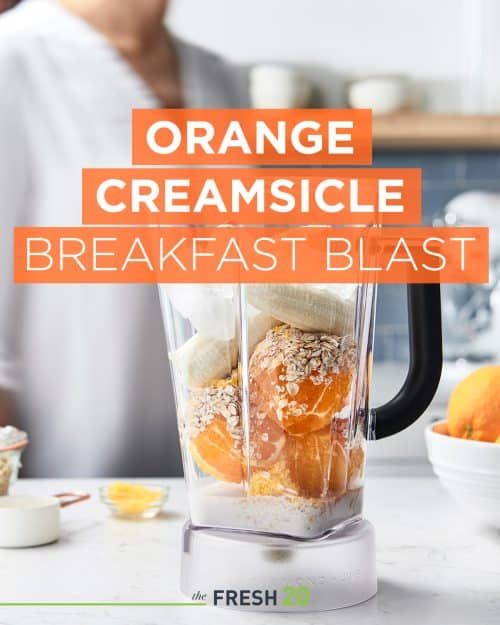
245, 571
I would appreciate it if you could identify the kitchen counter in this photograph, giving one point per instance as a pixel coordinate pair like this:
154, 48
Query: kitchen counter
433, 568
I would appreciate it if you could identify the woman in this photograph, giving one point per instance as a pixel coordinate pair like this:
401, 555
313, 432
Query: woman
89, 361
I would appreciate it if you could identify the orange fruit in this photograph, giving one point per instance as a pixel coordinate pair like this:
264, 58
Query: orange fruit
300, 379
311, 458
474, 406
267, 440
319, 402
217, 445
217, 453
356, 463
441, 428
274, 482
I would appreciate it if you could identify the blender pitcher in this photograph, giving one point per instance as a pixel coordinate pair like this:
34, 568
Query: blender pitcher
272, 387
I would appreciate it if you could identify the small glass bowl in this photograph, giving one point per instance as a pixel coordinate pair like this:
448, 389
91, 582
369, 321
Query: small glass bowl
13, 455
135, 508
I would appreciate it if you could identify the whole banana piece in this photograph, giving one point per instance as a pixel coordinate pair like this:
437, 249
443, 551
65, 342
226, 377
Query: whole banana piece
304, 307
203, 359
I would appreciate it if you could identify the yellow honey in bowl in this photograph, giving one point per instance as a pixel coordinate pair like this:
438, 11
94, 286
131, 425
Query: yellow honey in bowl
133, 499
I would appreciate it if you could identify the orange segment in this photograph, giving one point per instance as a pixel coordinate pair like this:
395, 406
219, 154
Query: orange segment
300, 379
274, 482
308, 407
314, 405
216, 432
356, 464
217, 453
308, 459
267, 440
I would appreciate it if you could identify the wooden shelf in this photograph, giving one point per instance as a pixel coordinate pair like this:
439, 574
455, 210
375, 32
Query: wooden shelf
432, 131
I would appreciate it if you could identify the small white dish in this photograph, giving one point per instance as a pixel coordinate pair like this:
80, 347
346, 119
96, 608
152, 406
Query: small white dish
382, 95
469, 470
28, 521
278, 86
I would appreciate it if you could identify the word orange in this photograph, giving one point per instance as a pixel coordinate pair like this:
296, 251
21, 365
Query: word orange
251, 137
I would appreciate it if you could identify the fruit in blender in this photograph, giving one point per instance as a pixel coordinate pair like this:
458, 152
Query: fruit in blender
267, 440
317, 464
356, 464
216, 433
313, 465
203, 359
275, 481
301, 379
304, 306
217, 453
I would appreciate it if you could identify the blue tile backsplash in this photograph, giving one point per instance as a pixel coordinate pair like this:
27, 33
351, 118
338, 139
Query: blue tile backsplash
445, 174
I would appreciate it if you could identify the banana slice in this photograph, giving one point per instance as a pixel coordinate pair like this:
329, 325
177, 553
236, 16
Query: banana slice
304, 307
258, 326
203, 359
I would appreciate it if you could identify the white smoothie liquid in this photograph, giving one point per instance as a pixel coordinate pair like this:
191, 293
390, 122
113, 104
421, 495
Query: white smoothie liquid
227, 506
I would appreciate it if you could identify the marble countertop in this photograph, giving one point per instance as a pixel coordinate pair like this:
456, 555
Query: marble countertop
433, 568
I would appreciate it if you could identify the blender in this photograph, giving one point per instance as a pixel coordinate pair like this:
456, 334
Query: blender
272, 385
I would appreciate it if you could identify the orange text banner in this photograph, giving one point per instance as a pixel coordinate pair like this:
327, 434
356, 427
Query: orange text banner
251, 196
245, 254
251, 137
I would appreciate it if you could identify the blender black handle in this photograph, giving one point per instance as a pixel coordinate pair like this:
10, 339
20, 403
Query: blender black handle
426, 361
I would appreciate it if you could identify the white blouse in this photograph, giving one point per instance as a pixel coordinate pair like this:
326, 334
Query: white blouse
89, 361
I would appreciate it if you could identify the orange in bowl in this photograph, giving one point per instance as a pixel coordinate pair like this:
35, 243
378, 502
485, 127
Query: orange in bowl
441, 428
474, 406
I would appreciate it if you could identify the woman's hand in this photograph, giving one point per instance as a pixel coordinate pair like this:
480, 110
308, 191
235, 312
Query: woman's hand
6, 412
7, 4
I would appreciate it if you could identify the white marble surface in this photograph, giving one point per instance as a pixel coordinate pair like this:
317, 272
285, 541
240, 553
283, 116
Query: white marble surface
433, 568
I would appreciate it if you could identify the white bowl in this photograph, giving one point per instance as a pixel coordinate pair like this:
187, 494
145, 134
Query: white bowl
382, 95
469, 471
278, 86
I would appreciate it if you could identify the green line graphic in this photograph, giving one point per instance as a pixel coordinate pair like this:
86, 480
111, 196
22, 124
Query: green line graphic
108, 604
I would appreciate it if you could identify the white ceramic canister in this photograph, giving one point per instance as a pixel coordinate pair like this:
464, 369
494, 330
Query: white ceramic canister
29, 521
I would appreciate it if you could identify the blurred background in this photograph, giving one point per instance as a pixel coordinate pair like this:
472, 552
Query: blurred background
429, 71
